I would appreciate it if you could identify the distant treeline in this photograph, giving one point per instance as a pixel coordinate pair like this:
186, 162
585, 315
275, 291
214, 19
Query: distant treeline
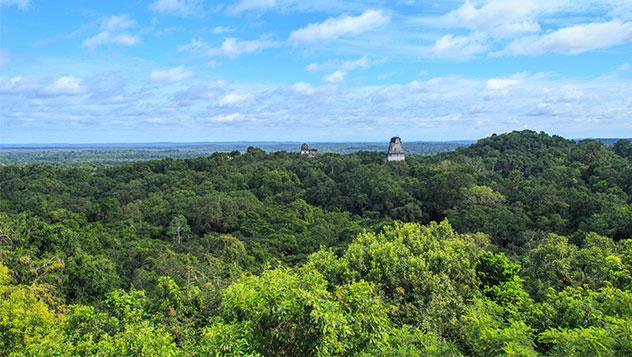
124, 152
117, 153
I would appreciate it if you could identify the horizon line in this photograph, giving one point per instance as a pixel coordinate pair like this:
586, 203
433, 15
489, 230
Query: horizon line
233, 142
230, 142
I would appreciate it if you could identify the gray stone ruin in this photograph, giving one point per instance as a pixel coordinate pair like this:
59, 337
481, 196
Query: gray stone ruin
307, 152
395, 150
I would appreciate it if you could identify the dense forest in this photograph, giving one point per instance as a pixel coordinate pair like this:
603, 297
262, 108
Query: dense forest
520, 244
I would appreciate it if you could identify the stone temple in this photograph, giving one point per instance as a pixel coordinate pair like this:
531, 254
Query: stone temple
395, 150
307, 152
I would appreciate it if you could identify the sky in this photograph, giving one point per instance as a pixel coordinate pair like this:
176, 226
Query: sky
298, 70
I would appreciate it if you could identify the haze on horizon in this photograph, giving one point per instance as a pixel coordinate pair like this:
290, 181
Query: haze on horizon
326, 71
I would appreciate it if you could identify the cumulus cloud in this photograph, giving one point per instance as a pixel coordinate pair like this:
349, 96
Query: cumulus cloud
20, 4
232, 47
64, 86
170, 75
235, 99
451, 107
176, 7
12, 85
503, 84
501, 18
573, 40
113, 32
463, 47
303, 88
340, 26
335, 77
530, 27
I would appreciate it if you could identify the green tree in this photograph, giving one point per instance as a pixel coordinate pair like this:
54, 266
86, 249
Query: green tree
28, 323
500, 281
427, 273
550, 265
285, 313
179, 229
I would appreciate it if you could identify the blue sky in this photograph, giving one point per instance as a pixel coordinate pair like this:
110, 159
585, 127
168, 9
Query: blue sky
199, 70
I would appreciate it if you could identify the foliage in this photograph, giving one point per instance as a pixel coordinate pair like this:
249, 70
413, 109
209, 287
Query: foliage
426, 273
284, 313
517, 245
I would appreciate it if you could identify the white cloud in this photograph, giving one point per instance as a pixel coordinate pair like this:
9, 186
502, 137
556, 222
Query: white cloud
42, 88
113, 32
624, 67
291, 6
199, 93
500, 18
340, 26
453, 107
235, 99
502, 84
13, 85
303, 88
621, 9
170, 75
250, 5
573, 40
97, 40
225, 118
335, 77
20, 4
125, 40
64, 86
118, 23
105, 37
350, 65
361, 63
463, 47
313, 67
177, 7
232, 47
222, 29
195, 45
